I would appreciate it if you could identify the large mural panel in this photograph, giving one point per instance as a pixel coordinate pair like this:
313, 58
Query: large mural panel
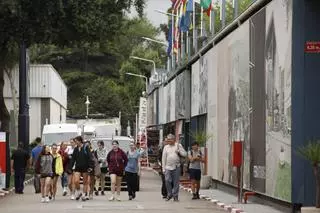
249, 98
278, 98
172, 100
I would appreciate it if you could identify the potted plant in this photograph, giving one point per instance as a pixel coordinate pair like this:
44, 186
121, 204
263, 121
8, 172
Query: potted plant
311, 152
201, 137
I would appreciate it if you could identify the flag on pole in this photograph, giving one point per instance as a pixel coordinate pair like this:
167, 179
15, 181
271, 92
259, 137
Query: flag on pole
207, 6
169, 39
185, 24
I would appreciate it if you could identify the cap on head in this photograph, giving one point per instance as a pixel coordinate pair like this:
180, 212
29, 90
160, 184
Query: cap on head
171, 137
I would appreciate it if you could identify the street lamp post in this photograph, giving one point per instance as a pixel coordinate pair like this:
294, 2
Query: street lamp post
156, 41
140, 76
162, 43
147, 60
146, 133
87, 104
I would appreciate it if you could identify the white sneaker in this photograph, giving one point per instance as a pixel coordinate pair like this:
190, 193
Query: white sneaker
73, 197
47, 200
118, 198
111, 198
43, 200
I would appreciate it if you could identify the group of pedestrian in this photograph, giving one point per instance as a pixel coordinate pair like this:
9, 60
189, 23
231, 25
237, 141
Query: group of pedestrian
171, 156
75, 161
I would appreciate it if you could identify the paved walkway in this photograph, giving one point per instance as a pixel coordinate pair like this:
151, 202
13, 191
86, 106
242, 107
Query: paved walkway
231, 200
148, 201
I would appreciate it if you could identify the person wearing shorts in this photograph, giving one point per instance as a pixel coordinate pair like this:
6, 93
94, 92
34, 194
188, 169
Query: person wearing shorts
82, 160
57, 169
70, 171
44, 167
195, 159
117, 161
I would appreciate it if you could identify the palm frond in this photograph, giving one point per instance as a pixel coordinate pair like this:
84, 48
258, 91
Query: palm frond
200, 137
311, 152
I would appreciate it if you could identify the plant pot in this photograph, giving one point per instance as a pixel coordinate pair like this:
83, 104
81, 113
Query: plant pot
205, 182
310, 210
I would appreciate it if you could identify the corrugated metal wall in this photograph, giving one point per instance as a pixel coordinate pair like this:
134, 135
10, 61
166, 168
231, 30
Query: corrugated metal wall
45, 82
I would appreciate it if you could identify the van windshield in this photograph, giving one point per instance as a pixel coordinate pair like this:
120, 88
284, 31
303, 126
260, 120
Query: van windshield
123, 144
51, 138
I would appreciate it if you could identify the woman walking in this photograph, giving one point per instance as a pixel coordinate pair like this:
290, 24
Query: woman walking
57, 169
95, 174
117, 160
132, 170
82, 160
63, 151
70, 171
44, 167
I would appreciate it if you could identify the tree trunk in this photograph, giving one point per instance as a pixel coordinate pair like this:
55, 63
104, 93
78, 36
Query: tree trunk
4, 114
316, 174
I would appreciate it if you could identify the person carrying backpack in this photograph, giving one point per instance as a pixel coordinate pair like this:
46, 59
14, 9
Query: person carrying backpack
84, 165
195, 160
172, 154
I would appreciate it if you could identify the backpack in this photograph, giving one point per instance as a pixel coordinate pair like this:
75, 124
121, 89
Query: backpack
191, 153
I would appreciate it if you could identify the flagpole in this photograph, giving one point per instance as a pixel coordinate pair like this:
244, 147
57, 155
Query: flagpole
235, 7
210, 20
223, 13
213, 19
201, 24
195, 46
172, 40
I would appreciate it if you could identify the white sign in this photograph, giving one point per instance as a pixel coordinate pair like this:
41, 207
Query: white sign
2, 137
143, 113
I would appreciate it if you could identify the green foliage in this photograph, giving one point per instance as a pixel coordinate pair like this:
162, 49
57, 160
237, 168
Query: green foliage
200, 137
311, 152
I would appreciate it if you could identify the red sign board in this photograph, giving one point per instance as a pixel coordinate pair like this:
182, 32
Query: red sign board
3, 160
312, 47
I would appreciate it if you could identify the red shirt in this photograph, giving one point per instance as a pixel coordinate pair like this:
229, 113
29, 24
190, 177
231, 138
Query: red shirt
117, 161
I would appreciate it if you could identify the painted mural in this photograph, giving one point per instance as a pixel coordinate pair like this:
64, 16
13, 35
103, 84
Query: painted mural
249, 84
243, 86
199, 86
278, 98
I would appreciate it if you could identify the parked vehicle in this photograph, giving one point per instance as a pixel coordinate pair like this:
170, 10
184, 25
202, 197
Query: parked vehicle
56, 133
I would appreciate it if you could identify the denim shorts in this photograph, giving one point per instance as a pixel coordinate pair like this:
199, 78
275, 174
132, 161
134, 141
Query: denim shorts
195, 174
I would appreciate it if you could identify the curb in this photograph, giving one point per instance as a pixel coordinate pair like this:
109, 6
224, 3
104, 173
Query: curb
216, 202
5, 193
227, 208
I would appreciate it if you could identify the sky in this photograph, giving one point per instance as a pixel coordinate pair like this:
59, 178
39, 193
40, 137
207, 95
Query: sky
155, 17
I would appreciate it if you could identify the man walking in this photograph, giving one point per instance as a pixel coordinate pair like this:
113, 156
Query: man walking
19, 163
163, 186
195, 159
101, 154
171, 155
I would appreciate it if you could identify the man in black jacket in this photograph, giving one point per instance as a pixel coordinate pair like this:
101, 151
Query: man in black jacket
163, 187
84, 164
20, 160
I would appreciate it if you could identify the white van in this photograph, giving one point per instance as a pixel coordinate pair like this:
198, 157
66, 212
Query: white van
56, 133
124, 142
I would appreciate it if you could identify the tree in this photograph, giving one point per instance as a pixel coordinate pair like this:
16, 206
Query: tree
71, 23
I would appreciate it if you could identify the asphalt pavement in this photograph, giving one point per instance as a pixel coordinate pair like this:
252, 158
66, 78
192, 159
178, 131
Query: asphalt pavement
148, 200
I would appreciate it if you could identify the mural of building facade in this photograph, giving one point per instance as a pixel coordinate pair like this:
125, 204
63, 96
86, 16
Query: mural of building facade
243, 87
249, 99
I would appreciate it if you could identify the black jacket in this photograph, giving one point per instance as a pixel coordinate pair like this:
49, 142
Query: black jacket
82, 159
